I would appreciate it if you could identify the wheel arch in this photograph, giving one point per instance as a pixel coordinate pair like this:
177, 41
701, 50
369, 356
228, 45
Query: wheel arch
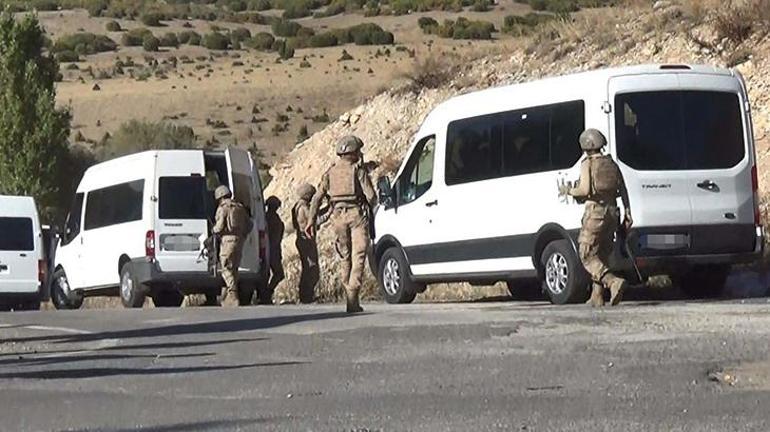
385, 243
122, 261
546, 234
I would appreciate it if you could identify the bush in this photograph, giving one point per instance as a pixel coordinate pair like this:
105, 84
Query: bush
151, 43
169, 40
284, 51
322, 40
136, 136
261, 41
189, 37
113, 26
463, 29
259, 5
519, 25
237, 6
481, 6
67, 56
216, 41
427, 22
345, 56
84, 43
240, 34
135, 37
152, 19
285, 28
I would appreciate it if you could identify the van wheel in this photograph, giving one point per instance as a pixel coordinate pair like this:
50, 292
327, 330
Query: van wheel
132, 293
61, 296
396, 279
704, 281
565, 278
167, 298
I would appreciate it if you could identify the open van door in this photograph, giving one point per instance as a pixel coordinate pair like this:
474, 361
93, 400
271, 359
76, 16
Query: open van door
245, 189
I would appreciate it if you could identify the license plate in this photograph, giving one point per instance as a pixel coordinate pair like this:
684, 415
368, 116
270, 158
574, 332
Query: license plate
665, 241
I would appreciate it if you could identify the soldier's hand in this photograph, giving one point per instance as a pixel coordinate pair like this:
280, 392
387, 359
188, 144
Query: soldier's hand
628, 222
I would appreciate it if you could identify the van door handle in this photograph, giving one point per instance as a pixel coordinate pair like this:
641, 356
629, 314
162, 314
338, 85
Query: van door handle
432, 203
709, 186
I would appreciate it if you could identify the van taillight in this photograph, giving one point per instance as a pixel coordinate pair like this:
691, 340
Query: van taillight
755, 190
262, 245
149, 244
42, 271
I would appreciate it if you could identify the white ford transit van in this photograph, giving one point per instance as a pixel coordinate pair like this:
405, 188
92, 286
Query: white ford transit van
476, 198
22, 262
137, 225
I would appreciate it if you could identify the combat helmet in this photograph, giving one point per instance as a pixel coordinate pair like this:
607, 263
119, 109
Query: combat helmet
592, 139
349, 144
222, 192
305, 191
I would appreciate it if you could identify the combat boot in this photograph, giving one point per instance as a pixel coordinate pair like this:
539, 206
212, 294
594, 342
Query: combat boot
617, 287
353, 305
597, 295
230, 299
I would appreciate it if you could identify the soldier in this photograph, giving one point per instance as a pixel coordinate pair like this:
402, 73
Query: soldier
275, 230
306, 244
349, 189
600, 184
233, 225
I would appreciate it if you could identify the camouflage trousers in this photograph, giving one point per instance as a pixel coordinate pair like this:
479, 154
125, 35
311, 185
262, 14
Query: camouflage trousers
308, 256
596, 242
230, 252
351, 227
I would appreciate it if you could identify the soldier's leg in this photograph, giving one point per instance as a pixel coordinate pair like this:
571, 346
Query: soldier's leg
359, 244
229, 263
615, 284
306, 287
342, 232
588, 258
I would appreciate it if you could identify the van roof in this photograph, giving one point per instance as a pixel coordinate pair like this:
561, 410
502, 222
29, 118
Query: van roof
17, 206
556, 84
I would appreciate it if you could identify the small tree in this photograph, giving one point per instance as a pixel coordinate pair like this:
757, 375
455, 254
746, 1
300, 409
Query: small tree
151, 43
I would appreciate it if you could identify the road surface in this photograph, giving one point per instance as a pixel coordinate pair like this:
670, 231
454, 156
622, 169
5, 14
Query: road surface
674, 366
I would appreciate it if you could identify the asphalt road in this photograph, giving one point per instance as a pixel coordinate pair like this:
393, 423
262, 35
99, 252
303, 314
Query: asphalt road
473, 366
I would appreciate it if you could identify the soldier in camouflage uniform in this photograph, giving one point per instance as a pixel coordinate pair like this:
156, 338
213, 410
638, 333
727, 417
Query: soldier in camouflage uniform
306, 245
233, 224
275, 230
600, 184
349, 189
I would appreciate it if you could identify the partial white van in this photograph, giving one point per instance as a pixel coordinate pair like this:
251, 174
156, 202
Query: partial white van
22, 262
138, 222
476, 198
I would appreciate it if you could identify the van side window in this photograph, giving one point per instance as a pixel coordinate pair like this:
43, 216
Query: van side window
417, 177
514, 143
114, 205
17, 234
73, 219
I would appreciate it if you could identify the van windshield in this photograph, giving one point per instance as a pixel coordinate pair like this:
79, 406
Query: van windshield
16, 234
183, 198
679, 130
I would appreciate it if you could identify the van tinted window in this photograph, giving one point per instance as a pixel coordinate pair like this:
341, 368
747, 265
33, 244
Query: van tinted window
73, 219
679, 130
182, 198
114, 205
16, 234
513, 143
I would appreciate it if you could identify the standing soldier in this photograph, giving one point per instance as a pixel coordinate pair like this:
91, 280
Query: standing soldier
351, 194
233, 225
275, 230
306, 244
600, 185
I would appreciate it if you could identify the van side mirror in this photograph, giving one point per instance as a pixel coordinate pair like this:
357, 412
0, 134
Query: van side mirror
385, 191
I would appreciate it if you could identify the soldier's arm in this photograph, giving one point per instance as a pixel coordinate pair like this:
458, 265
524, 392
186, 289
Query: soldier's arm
219, 225
368, 188
301, 216
315, 203
583, 187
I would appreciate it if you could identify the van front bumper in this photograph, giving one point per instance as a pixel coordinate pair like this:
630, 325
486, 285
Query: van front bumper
150, 274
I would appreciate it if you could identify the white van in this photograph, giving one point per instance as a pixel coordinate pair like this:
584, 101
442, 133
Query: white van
476, 198
22, 262
137, 225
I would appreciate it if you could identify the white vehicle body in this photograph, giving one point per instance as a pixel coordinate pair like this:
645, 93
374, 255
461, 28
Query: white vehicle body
476, 197
152, 211
22, 262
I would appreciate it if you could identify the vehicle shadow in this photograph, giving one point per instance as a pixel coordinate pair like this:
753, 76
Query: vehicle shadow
239, 424
48, 360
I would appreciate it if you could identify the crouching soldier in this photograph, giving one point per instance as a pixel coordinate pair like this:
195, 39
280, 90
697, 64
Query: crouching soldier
233, 225
600, 185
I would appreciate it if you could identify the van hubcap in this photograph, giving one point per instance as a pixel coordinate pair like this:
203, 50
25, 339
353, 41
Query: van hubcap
390, 277
557, 273
126, 286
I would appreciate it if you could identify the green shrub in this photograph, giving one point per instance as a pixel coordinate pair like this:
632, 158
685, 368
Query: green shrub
189, 37
67, 56
169, 40
322, 40
333, 9
259, 5
481, 6
463, 28
237, 5
152, 19
370, 34
216, 41
285, 28
113, 26
521, 25
136, 136
240, 34
151, 43
427, 22
135, 37
84, 43
261, 41
284, 51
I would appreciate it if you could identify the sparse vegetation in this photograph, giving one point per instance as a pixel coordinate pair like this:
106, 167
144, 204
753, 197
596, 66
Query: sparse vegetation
135, 136
84, 44
261, 41
151, 43
462, 28
189, 37
522, 25
135, 37
216, 41
152, 19
169, 40
113, 26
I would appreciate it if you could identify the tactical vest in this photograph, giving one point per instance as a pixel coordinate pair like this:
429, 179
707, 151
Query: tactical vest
237, 219
343, 183
605, 178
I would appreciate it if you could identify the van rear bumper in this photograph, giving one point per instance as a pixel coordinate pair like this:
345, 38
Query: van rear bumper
150, 274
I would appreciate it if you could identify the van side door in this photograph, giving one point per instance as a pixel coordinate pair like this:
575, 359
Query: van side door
244, 187
70, 249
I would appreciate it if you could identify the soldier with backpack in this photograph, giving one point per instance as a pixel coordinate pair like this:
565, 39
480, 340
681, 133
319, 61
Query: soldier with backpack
233, 225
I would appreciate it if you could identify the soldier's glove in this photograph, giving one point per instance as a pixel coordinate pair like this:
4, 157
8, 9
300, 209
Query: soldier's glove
564, 189
628, 222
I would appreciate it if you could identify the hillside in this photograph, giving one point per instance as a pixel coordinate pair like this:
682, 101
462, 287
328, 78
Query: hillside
667, 32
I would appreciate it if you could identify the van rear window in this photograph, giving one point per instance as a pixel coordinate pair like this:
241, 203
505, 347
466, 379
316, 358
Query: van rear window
16, 234
183, 198
679, 130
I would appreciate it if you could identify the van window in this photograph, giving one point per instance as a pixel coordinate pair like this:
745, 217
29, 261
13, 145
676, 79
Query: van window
16, 234
417, 177
114, 205
514, 143
73, 225
182, 198
679, 130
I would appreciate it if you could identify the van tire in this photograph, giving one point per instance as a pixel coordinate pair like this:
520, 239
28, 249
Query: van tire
395, 278
564, 278
132, 293
703, 282
59, 298
167, 298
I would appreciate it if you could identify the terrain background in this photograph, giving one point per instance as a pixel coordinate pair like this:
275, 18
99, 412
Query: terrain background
288, 102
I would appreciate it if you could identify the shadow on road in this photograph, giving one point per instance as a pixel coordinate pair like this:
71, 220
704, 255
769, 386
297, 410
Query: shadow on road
37, 361
193, 426
107, 372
